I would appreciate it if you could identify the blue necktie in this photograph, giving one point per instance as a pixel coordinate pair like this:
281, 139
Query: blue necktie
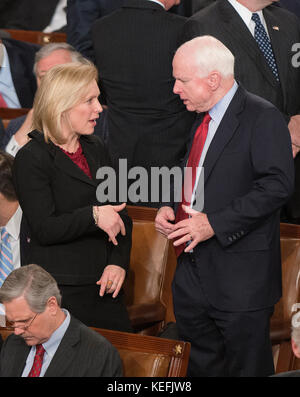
6, 257
264, 44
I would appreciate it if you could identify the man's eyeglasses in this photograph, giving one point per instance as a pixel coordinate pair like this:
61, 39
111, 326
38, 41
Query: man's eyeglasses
24, 325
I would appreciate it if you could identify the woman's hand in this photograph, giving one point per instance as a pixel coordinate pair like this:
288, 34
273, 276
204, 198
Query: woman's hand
108, 219
111, 280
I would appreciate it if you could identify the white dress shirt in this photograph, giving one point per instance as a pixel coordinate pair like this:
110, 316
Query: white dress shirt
246, 16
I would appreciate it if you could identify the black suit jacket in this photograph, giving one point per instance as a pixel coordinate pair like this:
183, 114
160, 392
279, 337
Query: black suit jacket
21, 58
80, 17
245, 184
81, 353
251, 69
147, 123
29, 14
57, 198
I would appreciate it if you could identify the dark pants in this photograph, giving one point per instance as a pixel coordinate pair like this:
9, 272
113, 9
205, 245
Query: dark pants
223, 343
85, 303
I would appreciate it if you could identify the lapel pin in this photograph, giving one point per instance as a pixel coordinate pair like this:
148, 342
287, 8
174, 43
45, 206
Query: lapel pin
275, 27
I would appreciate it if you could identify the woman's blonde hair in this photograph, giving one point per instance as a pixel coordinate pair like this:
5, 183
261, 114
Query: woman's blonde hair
62, 87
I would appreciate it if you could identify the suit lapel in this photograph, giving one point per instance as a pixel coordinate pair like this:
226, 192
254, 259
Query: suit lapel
19, 357
65, 352
280, 47
237, 29
224, 133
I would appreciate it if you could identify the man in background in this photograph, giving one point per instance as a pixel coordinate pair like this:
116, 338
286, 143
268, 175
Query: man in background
14, 240
148, 124
47, 340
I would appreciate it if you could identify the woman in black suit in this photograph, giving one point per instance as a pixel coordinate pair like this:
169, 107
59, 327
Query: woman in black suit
84, 245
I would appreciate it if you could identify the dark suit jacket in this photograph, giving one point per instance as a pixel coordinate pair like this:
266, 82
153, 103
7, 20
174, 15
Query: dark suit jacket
147, 123
28, 14
80, 17
56, 198
291, 5
21, 58
81, 353
245, 184
223, 22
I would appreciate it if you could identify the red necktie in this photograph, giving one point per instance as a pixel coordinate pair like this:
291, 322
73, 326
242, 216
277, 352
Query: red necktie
37, 363
3, 104
193, 162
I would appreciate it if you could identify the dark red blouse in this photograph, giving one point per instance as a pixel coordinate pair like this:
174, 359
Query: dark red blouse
79, 159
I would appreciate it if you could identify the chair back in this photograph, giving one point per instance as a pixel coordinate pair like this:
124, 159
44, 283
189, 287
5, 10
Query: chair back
287, 305
152, 266
149, 356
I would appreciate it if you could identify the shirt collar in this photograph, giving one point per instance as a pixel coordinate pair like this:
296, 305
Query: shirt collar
53, 342
158, 2
244, 12
217, 112
14, 224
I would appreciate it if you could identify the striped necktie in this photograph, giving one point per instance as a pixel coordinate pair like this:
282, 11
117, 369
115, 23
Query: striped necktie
264, 44
6, 257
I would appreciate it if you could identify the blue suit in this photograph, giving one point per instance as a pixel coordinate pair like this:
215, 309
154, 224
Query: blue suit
225, 290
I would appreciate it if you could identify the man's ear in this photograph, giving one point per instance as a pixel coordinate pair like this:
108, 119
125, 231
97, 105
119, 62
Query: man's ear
52, 305
214, 80
296, 348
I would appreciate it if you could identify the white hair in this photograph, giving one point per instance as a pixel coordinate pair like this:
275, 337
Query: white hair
210, 54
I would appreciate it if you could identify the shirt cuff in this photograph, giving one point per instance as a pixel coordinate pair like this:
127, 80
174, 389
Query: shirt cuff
12, 147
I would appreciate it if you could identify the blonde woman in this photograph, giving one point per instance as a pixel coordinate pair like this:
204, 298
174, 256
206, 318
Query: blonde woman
84, 244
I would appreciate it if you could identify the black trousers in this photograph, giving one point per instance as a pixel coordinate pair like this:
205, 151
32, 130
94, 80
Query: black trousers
223, 343
85, 303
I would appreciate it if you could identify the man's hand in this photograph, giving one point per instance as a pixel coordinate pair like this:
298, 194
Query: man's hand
110, 221
111, 280
163, 220
294, 127
195, 229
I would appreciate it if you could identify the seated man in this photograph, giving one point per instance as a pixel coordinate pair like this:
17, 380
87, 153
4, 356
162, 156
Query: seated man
13, 237
295, 342
47, 336
17, 81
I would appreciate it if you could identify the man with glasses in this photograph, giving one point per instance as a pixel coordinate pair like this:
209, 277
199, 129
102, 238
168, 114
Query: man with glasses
47, 340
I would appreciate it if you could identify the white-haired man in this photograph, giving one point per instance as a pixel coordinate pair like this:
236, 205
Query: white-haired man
263, 38
228, 276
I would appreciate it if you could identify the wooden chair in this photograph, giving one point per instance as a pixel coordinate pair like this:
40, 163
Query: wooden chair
7, 114
152, 266
142, 355
149, 356
36, 37
284, 359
